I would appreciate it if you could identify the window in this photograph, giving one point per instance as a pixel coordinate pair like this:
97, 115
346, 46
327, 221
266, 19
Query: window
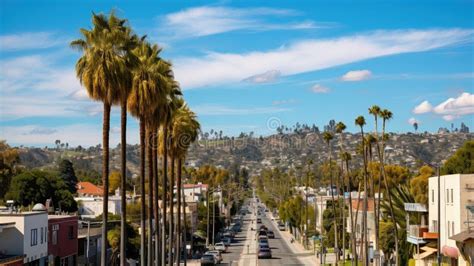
447, 195
452, 228
452, 196
449, 228
41, 235
55, 237
432, 196
70, 232
435, 226
34, 237
46, 234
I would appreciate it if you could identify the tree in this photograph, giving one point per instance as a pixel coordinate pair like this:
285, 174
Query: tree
9, 157
327, 136
37, 186
360, 121
415, 126
462, 162
66, 172
114, 181
101, 70
419, 184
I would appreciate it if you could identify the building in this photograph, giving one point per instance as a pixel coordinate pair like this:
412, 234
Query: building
457, 196
91, 206
24, 234
62, 240
89, 241
357, 206
194, 192
420, 234
87, 189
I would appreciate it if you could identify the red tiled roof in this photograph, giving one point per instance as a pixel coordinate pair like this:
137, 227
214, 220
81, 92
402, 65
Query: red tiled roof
87, 188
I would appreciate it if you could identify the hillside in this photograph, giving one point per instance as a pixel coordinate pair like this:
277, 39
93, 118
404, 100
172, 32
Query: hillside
282, 150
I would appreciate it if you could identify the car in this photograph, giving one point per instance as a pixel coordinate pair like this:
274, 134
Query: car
270, 234
227, 241
208, 259
220, 247
262, 233
263, 245
264, 253
263, 241
217, 255
259, 221
281, 226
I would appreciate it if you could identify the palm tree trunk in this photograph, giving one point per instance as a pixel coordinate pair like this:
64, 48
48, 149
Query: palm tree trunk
353, 243
185, 228
178, 227
172, 223
142, 193
123, 218
355, 224
343, 211
165, 195
105, 181
389, 195
366, 244
333, 206
149, 131
155, 184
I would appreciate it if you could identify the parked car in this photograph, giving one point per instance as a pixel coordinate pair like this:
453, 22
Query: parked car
262, 233
259, 221
281, 226
220, 247
263, 245
208, 259
217, 255
264, 253
270, 234
263, 240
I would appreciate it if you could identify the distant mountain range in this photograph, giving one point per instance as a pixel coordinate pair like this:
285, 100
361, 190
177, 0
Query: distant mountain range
282, 150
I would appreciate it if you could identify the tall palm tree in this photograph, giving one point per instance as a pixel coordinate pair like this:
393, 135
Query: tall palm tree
102, 70
340, 127
375, 111
328, 136
185, 128
387, 115
146, 95
173, 102
360, 121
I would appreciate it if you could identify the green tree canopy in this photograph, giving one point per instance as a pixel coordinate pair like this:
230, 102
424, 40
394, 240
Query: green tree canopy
37, 186
462, 162
67, 174
419, 184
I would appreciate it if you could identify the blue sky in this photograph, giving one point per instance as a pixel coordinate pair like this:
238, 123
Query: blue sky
243, 64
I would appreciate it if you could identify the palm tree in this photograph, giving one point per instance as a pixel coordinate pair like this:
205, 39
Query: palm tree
101, 70
328, 136
346, 157
185, 130
375, 111
340, 127
387, 115
360, 121
146, 94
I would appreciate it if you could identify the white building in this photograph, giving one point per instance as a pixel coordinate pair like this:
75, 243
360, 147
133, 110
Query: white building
457, 193
25, 233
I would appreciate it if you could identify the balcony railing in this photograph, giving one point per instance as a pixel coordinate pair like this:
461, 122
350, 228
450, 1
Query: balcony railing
421, 232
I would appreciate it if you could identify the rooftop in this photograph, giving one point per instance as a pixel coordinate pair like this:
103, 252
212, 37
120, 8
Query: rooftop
87, 188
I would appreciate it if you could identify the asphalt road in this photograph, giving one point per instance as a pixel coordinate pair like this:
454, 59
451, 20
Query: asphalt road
281, 253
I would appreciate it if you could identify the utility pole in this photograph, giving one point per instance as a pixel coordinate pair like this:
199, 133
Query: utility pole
439, 214
207, 231
213, 218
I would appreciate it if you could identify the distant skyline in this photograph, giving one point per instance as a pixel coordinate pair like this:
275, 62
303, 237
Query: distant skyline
248, 65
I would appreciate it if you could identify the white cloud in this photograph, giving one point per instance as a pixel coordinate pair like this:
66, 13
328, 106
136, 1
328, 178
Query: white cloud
80, 95
29, 41
451, 109
320, 89
283, 102
356, 75
454, 108
210, 109
206, 20
267, 77
412, 121
311, 55
424, 107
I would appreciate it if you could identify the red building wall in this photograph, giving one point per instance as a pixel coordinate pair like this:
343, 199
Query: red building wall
63, 243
